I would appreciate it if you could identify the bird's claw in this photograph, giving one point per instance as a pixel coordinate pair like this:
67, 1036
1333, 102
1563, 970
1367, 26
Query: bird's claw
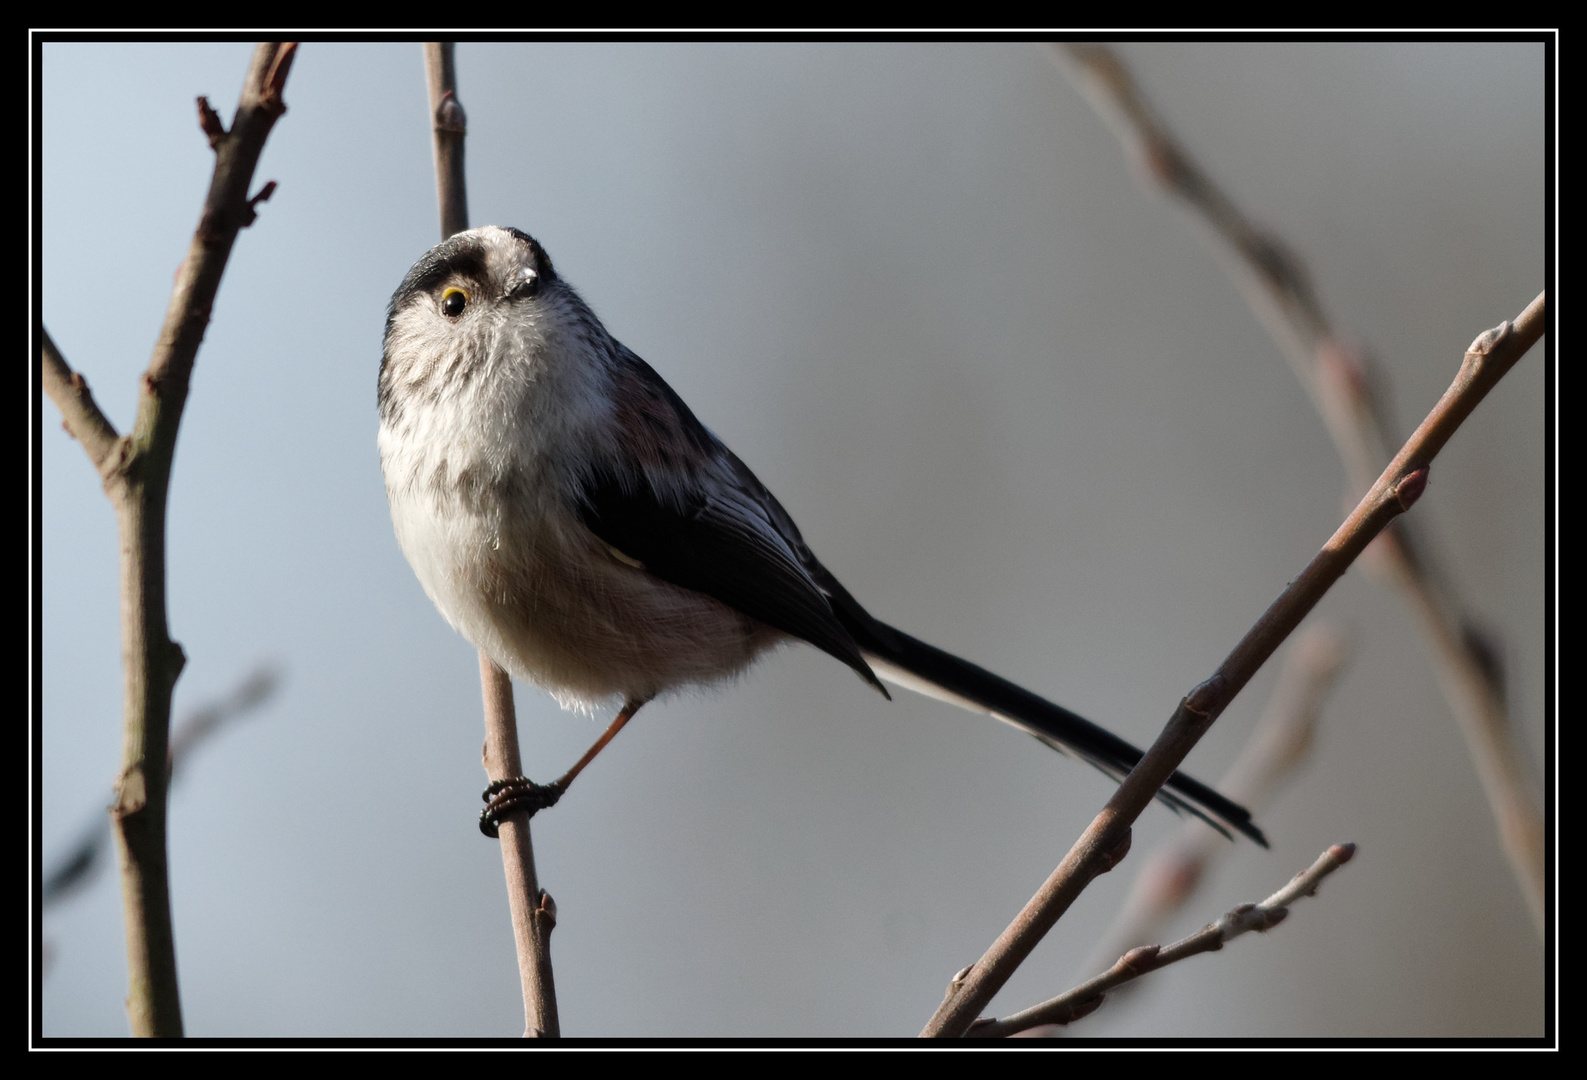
504, 797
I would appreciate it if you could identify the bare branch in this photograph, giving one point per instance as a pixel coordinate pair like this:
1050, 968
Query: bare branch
449, 128
1490, 356
1279, 743
80, 415
1282, 738
1338, 376
1084, 999
534, 913
136, 472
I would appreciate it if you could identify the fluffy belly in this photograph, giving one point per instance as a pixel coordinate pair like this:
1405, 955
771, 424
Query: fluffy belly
544, 598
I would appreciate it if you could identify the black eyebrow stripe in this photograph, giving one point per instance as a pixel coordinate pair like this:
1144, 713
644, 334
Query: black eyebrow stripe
462, 258
468, 262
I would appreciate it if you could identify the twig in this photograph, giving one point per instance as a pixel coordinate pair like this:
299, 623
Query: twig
1337, 376
136, 471
1100, 847
449, 126
1279, 743
204, 721
80, 414
534, 913
1084, 999
77, 865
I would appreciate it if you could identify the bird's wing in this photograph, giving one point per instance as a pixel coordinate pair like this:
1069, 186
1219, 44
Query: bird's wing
678, 502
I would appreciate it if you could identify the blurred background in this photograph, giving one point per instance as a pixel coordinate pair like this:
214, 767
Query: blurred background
1013, 403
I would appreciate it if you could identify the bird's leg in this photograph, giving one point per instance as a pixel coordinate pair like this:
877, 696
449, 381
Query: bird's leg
623, 717
521, 793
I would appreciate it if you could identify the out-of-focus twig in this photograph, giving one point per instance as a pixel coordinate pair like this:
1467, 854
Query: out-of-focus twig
77, 866
1338, 376
534, 913
1279, 743
206, 720
1106, 840
136, 473
1084, 999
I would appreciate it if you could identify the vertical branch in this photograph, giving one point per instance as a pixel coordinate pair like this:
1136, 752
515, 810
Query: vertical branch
449, 126
1336, 374
534, 913
136, 471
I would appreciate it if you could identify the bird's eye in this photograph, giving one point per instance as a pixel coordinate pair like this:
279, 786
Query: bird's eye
453, 301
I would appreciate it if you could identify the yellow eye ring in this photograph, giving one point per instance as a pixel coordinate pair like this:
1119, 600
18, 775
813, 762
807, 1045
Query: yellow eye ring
453, 301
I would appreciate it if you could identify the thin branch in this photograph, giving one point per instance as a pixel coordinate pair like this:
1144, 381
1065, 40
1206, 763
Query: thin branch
534, 913
1282, 738
449, 127
1105, 841
80, 414
203, 722
136, 476
1084, 999
1338, 376
1278, 744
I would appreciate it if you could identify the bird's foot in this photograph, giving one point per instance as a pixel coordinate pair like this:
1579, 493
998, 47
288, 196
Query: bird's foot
504, 797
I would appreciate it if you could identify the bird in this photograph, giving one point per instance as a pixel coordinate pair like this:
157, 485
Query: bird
571, 517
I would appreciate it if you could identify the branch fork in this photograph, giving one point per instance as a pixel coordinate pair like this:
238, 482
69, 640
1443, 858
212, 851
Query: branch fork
135, 470
1241, 919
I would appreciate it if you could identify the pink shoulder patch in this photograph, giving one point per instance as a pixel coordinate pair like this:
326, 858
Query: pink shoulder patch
650, 430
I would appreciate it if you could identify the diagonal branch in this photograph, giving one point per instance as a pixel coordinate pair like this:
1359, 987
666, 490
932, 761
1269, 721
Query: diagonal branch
1084, 999
76, 867
1336, 374
1277, 746
1107, 838
80, 414
136, 471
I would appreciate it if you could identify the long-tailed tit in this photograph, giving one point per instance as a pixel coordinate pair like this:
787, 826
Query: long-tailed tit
574, 521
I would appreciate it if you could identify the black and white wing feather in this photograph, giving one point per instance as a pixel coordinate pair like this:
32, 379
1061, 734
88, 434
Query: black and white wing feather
684, 507
689, 511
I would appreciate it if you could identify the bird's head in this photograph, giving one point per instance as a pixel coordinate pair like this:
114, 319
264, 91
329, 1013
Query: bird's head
483, 302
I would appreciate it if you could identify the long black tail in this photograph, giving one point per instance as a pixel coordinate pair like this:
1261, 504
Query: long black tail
913, 664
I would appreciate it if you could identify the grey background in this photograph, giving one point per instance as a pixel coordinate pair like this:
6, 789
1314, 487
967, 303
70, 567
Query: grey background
1011, 400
